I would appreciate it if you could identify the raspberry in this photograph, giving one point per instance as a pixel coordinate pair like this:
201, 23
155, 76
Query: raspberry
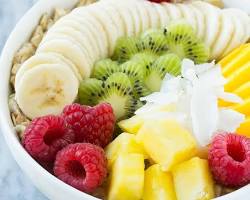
81, 165
93, 125
229, 159
45, 136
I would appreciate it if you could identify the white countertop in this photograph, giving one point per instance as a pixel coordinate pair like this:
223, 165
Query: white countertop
14, 185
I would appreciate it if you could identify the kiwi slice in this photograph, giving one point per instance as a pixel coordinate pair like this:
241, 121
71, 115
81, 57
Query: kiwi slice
119, 93
125, 48
182, 40
136, 72
104, 68
145, 59
154, 41
90, 90
168, 63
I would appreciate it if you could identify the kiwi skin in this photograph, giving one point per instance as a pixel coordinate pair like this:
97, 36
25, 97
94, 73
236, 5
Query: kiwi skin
182, 40
125, 48
90, 91
104, 68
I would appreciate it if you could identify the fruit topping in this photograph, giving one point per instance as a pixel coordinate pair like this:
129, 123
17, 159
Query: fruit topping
104, 68
182, 40
155, 73
158, 184
166, 142
188, 94
131, 125
81, 165
45, 136
93, 125
193, 180
127, 177
229, 159
124, 143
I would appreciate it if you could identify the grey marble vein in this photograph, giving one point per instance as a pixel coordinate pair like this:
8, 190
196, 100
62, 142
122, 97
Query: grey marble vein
14, 185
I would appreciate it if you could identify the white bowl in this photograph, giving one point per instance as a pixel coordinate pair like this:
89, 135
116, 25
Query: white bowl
52, 187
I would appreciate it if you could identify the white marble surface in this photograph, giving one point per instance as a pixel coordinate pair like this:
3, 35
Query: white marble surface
14, 185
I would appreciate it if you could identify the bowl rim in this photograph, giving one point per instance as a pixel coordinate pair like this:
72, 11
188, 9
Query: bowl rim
13, 43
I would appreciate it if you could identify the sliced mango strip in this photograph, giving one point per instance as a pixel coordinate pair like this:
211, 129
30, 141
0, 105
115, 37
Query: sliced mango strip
238, 78
243, 108
227, 59
244, 128
243, 91
236, 62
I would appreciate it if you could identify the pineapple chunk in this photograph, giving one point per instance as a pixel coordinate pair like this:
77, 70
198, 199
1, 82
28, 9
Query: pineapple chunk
158, 185
127, 178
193, 180
166, 143
124, 143
131, 125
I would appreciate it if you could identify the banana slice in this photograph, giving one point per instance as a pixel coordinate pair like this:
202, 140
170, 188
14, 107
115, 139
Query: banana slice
144, 17
155, 21
212, 16
126, 16
70, 51
239, 32
200, 20
104, 19
115, 16
46, 89
65, 32
133, 11
225, 37
173, 10
164, 17
45, 58
188, 15
101, 38
242, 17
88, 30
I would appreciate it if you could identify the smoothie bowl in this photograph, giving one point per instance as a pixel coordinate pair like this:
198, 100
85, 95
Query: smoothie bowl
129, 99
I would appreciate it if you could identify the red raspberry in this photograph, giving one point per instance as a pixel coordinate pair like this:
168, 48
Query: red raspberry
45, 136
93, 125
81, 165
229, 159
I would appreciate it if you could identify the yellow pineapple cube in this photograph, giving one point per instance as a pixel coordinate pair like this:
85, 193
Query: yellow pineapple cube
131, 125
166, 142
124, 143
127, 178
158, 185
193, 180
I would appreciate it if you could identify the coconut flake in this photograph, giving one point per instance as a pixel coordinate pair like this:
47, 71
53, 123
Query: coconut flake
229, 120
